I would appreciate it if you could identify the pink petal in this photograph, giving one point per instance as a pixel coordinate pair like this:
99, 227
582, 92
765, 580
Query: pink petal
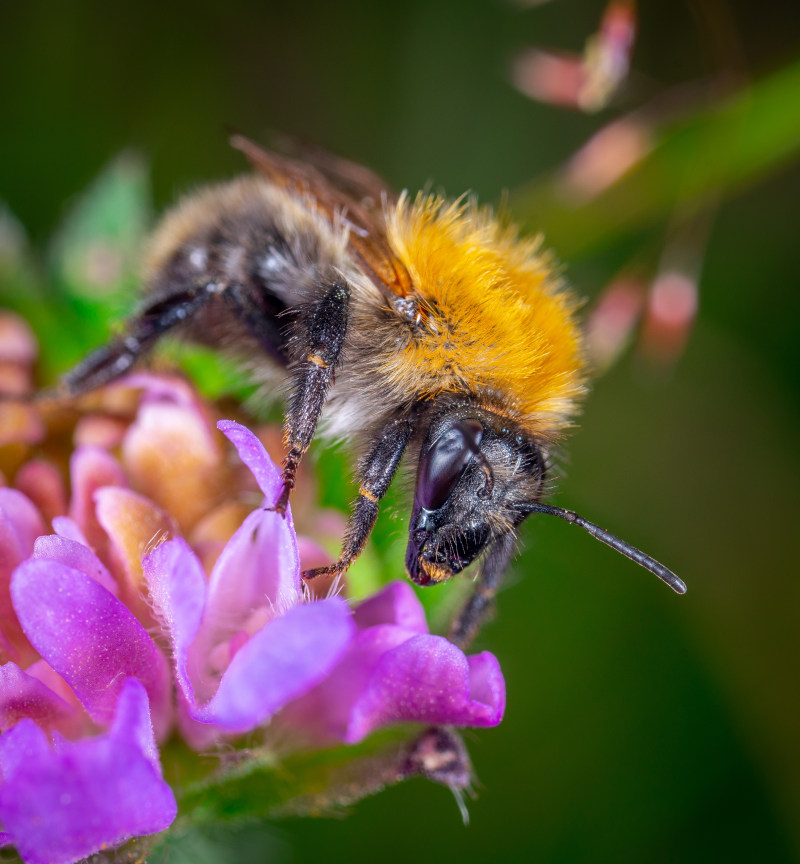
164, 388
17, 341
65, 527
20, 524
60, 804
428, 680
284, 660
390, 675
48, 676
89, 637
96, 430
22, 520
486, 683
252, 452
397, 604
90, 469
132, 524
258, 568
177, 590
199, 736
21, 696
76, 555
44, 485
173, 457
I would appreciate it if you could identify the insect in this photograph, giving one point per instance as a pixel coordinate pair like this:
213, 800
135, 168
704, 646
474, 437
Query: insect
405, 325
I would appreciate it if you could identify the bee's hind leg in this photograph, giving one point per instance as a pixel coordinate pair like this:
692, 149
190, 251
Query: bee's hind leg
113, 360
480, 604
322, 345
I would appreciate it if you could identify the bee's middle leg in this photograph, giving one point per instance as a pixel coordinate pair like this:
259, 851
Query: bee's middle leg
322, 344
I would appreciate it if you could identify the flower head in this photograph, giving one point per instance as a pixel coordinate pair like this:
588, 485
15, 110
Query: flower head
155, 592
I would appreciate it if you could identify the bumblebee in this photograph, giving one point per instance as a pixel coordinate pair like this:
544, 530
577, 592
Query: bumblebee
447, 337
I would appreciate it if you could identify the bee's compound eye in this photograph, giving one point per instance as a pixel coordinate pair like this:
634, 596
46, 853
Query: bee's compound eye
442, 466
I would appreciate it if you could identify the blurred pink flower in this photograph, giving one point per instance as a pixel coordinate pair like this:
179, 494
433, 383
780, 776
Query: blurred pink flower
587, 81
612, 320
669, 316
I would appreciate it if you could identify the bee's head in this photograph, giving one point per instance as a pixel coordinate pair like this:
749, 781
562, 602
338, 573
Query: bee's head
477, 472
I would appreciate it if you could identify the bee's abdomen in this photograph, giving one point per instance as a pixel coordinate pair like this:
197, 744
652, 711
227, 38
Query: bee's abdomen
249, 246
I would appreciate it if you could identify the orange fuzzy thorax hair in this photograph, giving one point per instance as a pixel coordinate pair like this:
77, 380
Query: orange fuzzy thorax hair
495, 321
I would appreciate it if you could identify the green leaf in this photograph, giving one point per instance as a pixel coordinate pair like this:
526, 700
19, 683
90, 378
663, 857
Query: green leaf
95, 254
93, 266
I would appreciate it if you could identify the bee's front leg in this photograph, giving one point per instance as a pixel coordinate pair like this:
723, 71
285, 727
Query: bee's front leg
376, 471
322, 345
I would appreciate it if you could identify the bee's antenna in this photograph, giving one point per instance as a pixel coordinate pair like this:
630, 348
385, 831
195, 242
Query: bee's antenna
657, 569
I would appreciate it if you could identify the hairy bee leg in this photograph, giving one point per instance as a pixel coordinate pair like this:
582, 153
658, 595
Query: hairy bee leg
324, 341
475, 612
113, 360
376, 471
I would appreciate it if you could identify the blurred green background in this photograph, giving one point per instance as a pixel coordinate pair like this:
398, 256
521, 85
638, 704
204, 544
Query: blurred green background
641, 726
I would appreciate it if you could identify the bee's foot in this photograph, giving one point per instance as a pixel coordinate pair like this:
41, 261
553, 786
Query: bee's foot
283, 501
322, 582
319, 572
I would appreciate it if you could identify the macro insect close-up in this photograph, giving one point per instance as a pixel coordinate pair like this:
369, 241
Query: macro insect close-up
317, 324
445, 333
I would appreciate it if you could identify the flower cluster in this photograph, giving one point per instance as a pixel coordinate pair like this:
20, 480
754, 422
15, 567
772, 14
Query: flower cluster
156, 594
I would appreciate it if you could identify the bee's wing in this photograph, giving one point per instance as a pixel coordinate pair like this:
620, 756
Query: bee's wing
356, 181
345, 190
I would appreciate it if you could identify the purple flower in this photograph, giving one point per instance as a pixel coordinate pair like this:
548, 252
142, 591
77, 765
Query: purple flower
63, 801
246, 646
244, 643
85, 633
161, 597
98, 669
395, 671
